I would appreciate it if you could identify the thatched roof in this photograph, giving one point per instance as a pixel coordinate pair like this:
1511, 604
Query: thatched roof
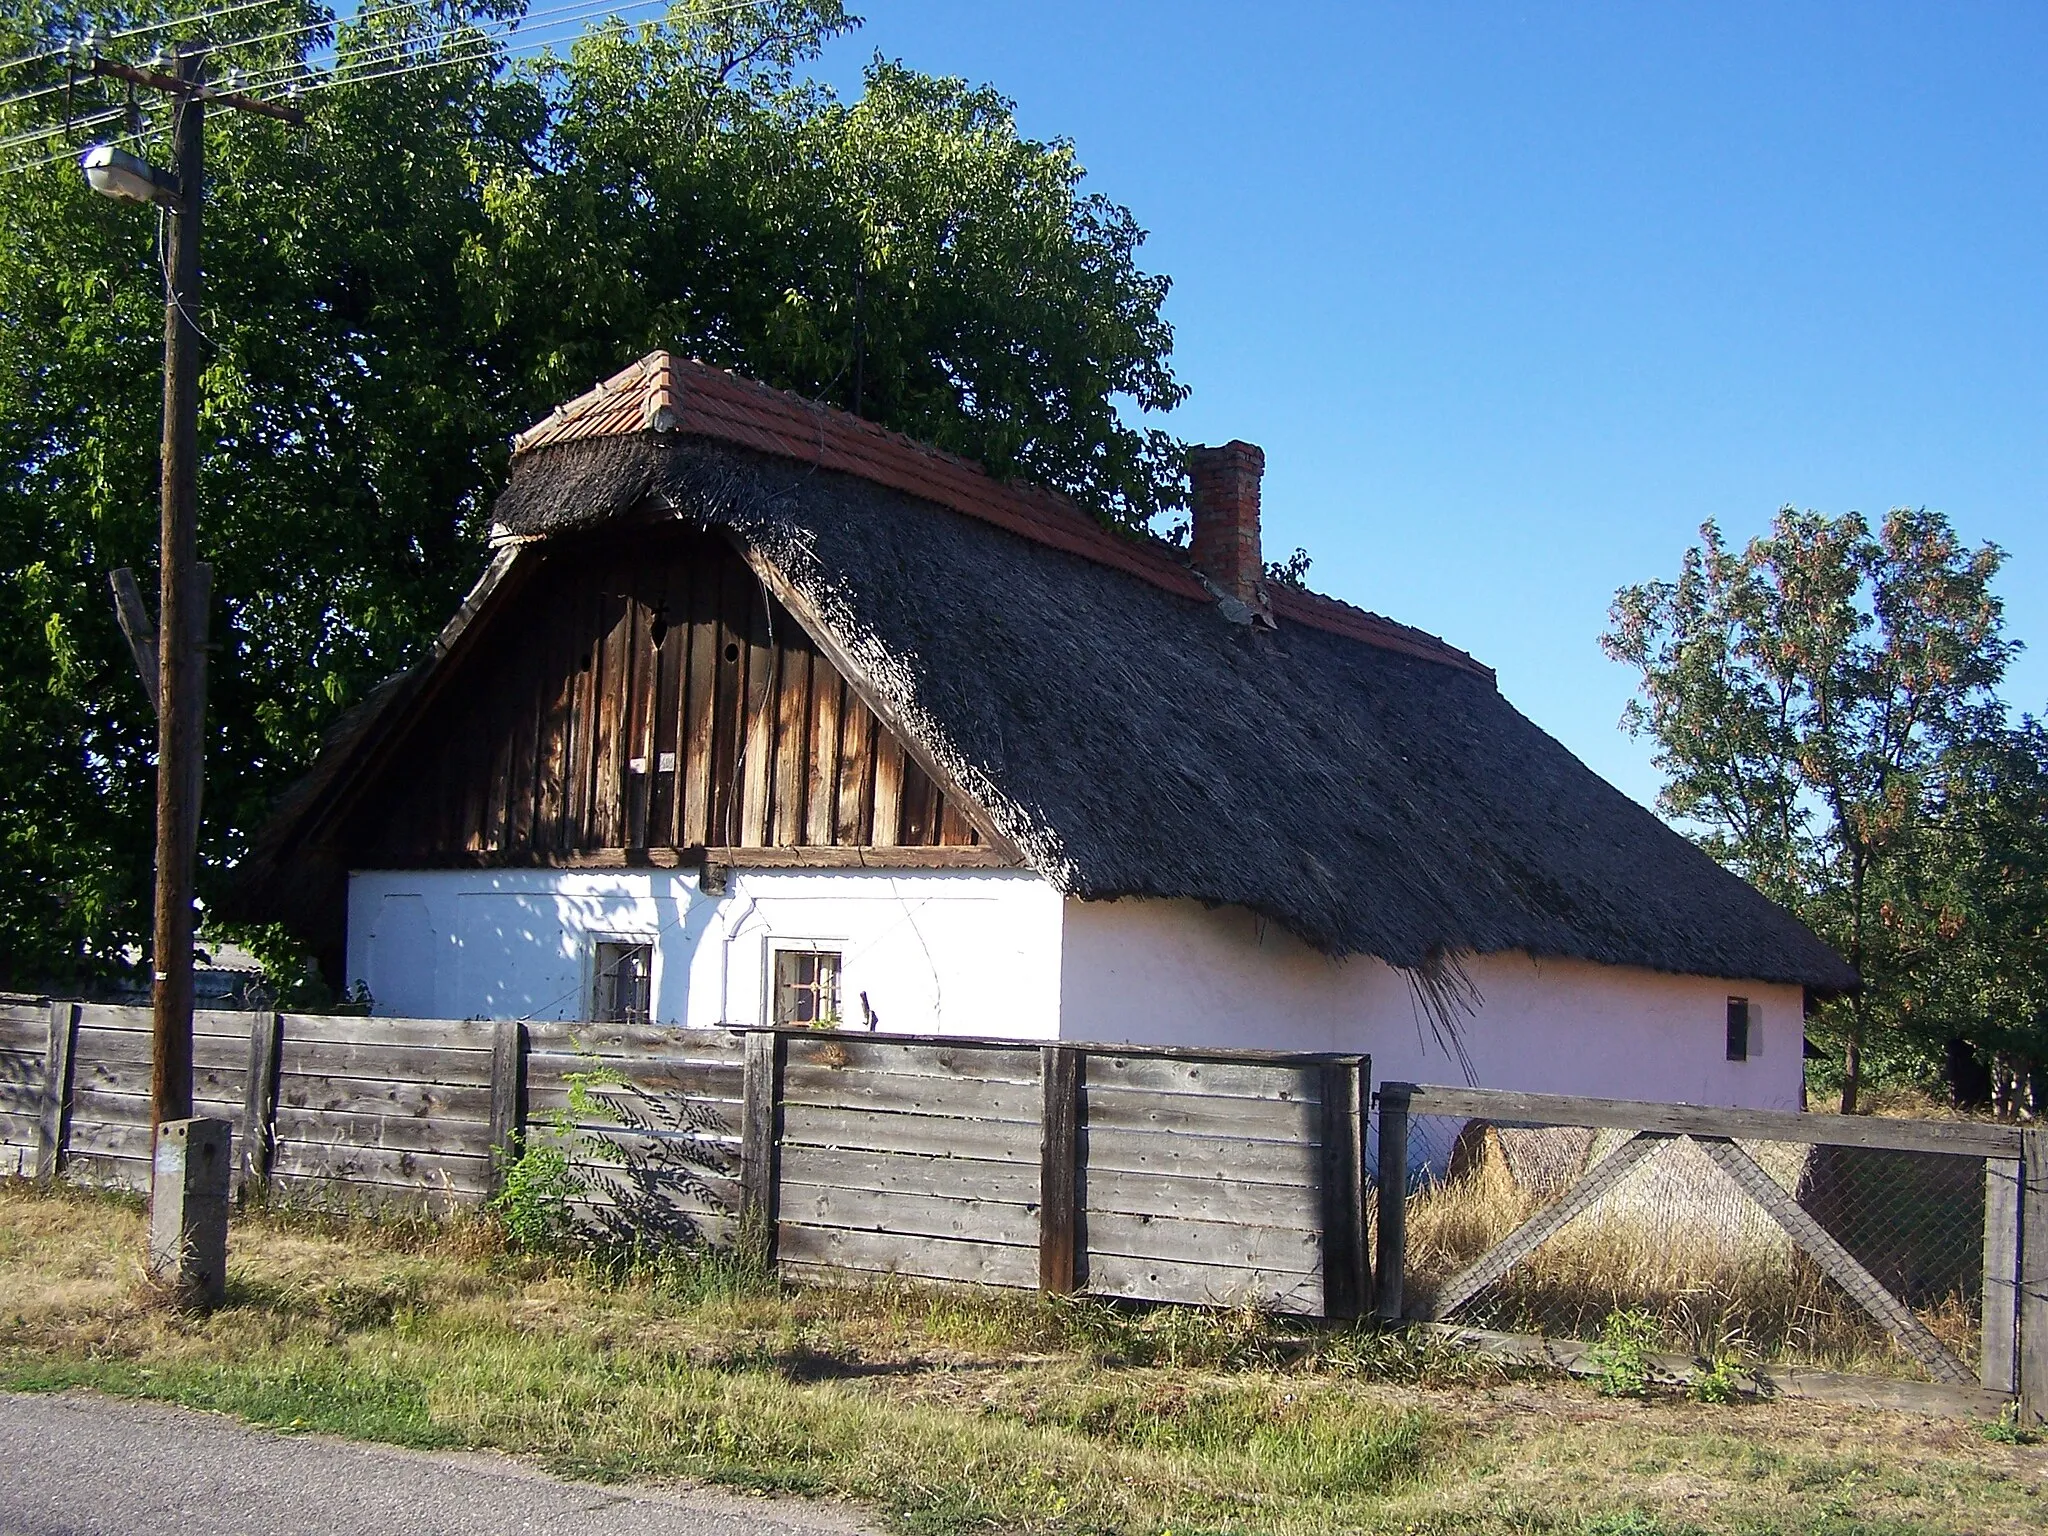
1357, 781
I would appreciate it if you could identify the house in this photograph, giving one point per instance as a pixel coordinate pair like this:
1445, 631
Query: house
761, 713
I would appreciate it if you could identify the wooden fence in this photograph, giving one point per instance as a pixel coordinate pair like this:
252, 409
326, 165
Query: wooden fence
1224, 1178
1227, 1178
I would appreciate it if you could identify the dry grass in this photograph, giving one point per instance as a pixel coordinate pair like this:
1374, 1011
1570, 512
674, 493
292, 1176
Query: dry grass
1707, 1264
946, 1411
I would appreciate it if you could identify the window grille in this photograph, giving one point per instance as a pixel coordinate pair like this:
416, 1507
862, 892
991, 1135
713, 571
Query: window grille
807, 987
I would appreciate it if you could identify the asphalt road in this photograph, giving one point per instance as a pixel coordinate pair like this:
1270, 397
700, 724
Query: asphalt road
82, 1465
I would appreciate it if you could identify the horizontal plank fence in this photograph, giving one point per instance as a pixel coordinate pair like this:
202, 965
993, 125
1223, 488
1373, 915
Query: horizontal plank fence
1156, 1174
1216, 1177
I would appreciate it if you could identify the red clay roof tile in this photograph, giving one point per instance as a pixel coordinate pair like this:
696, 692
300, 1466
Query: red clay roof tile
663, 393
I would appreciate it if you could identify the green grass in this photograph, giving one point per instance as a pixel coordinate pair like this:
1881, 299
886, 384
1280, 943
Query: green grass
945, 1411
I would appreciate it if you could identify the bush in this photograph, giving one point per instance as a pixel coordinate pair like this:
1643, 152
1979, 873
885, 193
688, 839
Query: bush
533, 1202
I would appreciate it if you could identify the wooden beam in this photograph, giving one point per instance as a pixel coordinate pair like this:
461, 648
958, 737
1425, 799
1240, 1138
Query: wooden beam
259, 1103
1997, 1362
508, 1095
1059, 1170
1841, 1266
861, 858
2033, 1287
1525, 1239
1582, 1358
1391, 1261
56, 1106
1959, 1136
760, 1141
137, 627
1344, 1088
806, 857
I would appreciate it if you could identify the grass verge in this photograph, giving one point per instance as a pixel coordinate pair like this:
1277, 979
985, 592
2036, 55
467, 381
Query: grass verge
945, 1411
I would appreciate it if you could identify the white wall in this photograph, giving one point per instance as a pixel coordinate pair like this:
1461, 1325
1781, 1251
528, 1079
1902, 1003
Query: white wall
1174, 971
1001, 953
936, 952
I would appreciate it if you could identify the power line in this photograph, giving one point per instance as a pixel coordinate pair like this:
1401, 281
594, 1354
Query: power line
111, 114
386, 59
70, 152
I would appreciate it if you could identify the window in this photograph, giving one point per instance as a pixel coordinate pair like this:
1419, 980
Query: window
621, 982
807, 987
1745, 1039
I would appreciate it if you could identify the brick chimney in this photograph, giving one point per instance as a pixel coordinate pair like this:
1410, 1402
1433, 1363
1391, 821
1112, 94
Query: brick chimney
1226, 534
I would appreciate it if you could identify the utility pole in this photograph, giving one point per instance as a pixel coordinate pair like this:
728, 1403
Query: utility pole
179, 685
178, 660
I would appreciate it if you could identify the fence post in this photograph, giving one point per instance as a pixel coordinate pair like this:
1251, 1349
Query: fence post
1059, 1170
1393, 1204
259, 1104
761, 1141
508, 1096
2032, 1347
1998, 1363
53, 1129
1344, 1088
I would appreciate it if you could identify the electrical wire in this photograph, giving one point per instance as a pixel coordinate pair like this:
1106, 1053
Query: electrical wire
192, 20
33, 58
111, 114
537, 30
43, 90
71, 152
481, 50
515, 37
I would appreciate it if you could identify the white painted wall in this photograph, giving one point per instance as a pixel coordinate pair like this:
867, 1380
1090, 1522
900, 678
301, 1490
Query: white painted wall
1159, 972
936, 951
1001, 953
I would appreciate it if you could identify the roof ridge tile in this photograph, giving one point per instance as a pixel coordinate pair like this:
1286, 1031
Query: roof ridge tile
665, 393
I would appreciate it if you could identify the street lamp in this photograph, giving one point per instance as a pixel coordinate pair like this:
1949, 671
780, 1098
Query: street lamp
114, 172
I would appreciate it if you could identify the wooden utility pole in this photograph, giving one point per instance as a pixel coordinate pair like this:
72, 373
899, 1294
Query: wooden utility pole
179, 684
178, 659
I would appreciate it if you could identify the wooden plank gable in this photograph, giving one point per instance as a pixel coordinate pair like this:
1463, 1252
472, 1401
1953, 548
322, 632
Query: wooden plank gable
644, 695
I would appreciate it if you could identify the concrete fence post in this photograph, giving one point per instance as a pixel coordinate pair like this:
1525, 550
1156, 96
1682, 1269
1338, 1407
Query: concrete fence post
188, 1210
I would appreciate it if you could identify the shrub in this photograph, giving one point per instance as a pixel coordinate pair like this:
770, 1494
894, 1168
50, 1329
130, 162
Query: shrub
1622, 1357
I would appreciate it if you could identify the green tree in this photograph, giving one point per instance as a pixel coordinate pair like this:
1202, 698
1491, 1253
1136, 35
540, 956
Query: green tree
430, 264
1973, 905
1810, 696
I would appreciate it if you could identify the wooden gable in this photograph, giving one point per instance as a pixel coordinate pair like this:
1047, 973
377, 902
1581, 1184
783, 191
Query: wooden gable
642, 697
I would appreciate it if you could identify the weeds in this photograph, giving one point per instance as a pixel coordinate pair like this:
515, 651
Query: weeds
1622, 1357
943, 1410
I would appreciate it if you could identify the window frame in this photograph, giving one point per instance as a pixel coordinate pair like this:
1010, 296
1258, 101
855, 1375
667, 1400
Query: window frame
835, 950
1744, 1034
599, 942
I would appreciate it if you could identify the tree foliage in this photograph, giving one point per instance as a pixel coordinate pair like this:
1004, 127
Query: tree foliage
433, 262
1826, 712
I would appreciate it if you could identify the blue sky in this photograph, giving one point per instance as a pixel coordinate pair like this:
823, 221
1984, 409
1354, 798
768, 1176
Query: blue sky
1515, 296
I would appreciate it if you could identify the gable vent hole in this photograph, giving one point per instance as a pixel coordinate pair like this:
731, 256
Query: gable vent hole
732, 650
584, 664
658, 631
